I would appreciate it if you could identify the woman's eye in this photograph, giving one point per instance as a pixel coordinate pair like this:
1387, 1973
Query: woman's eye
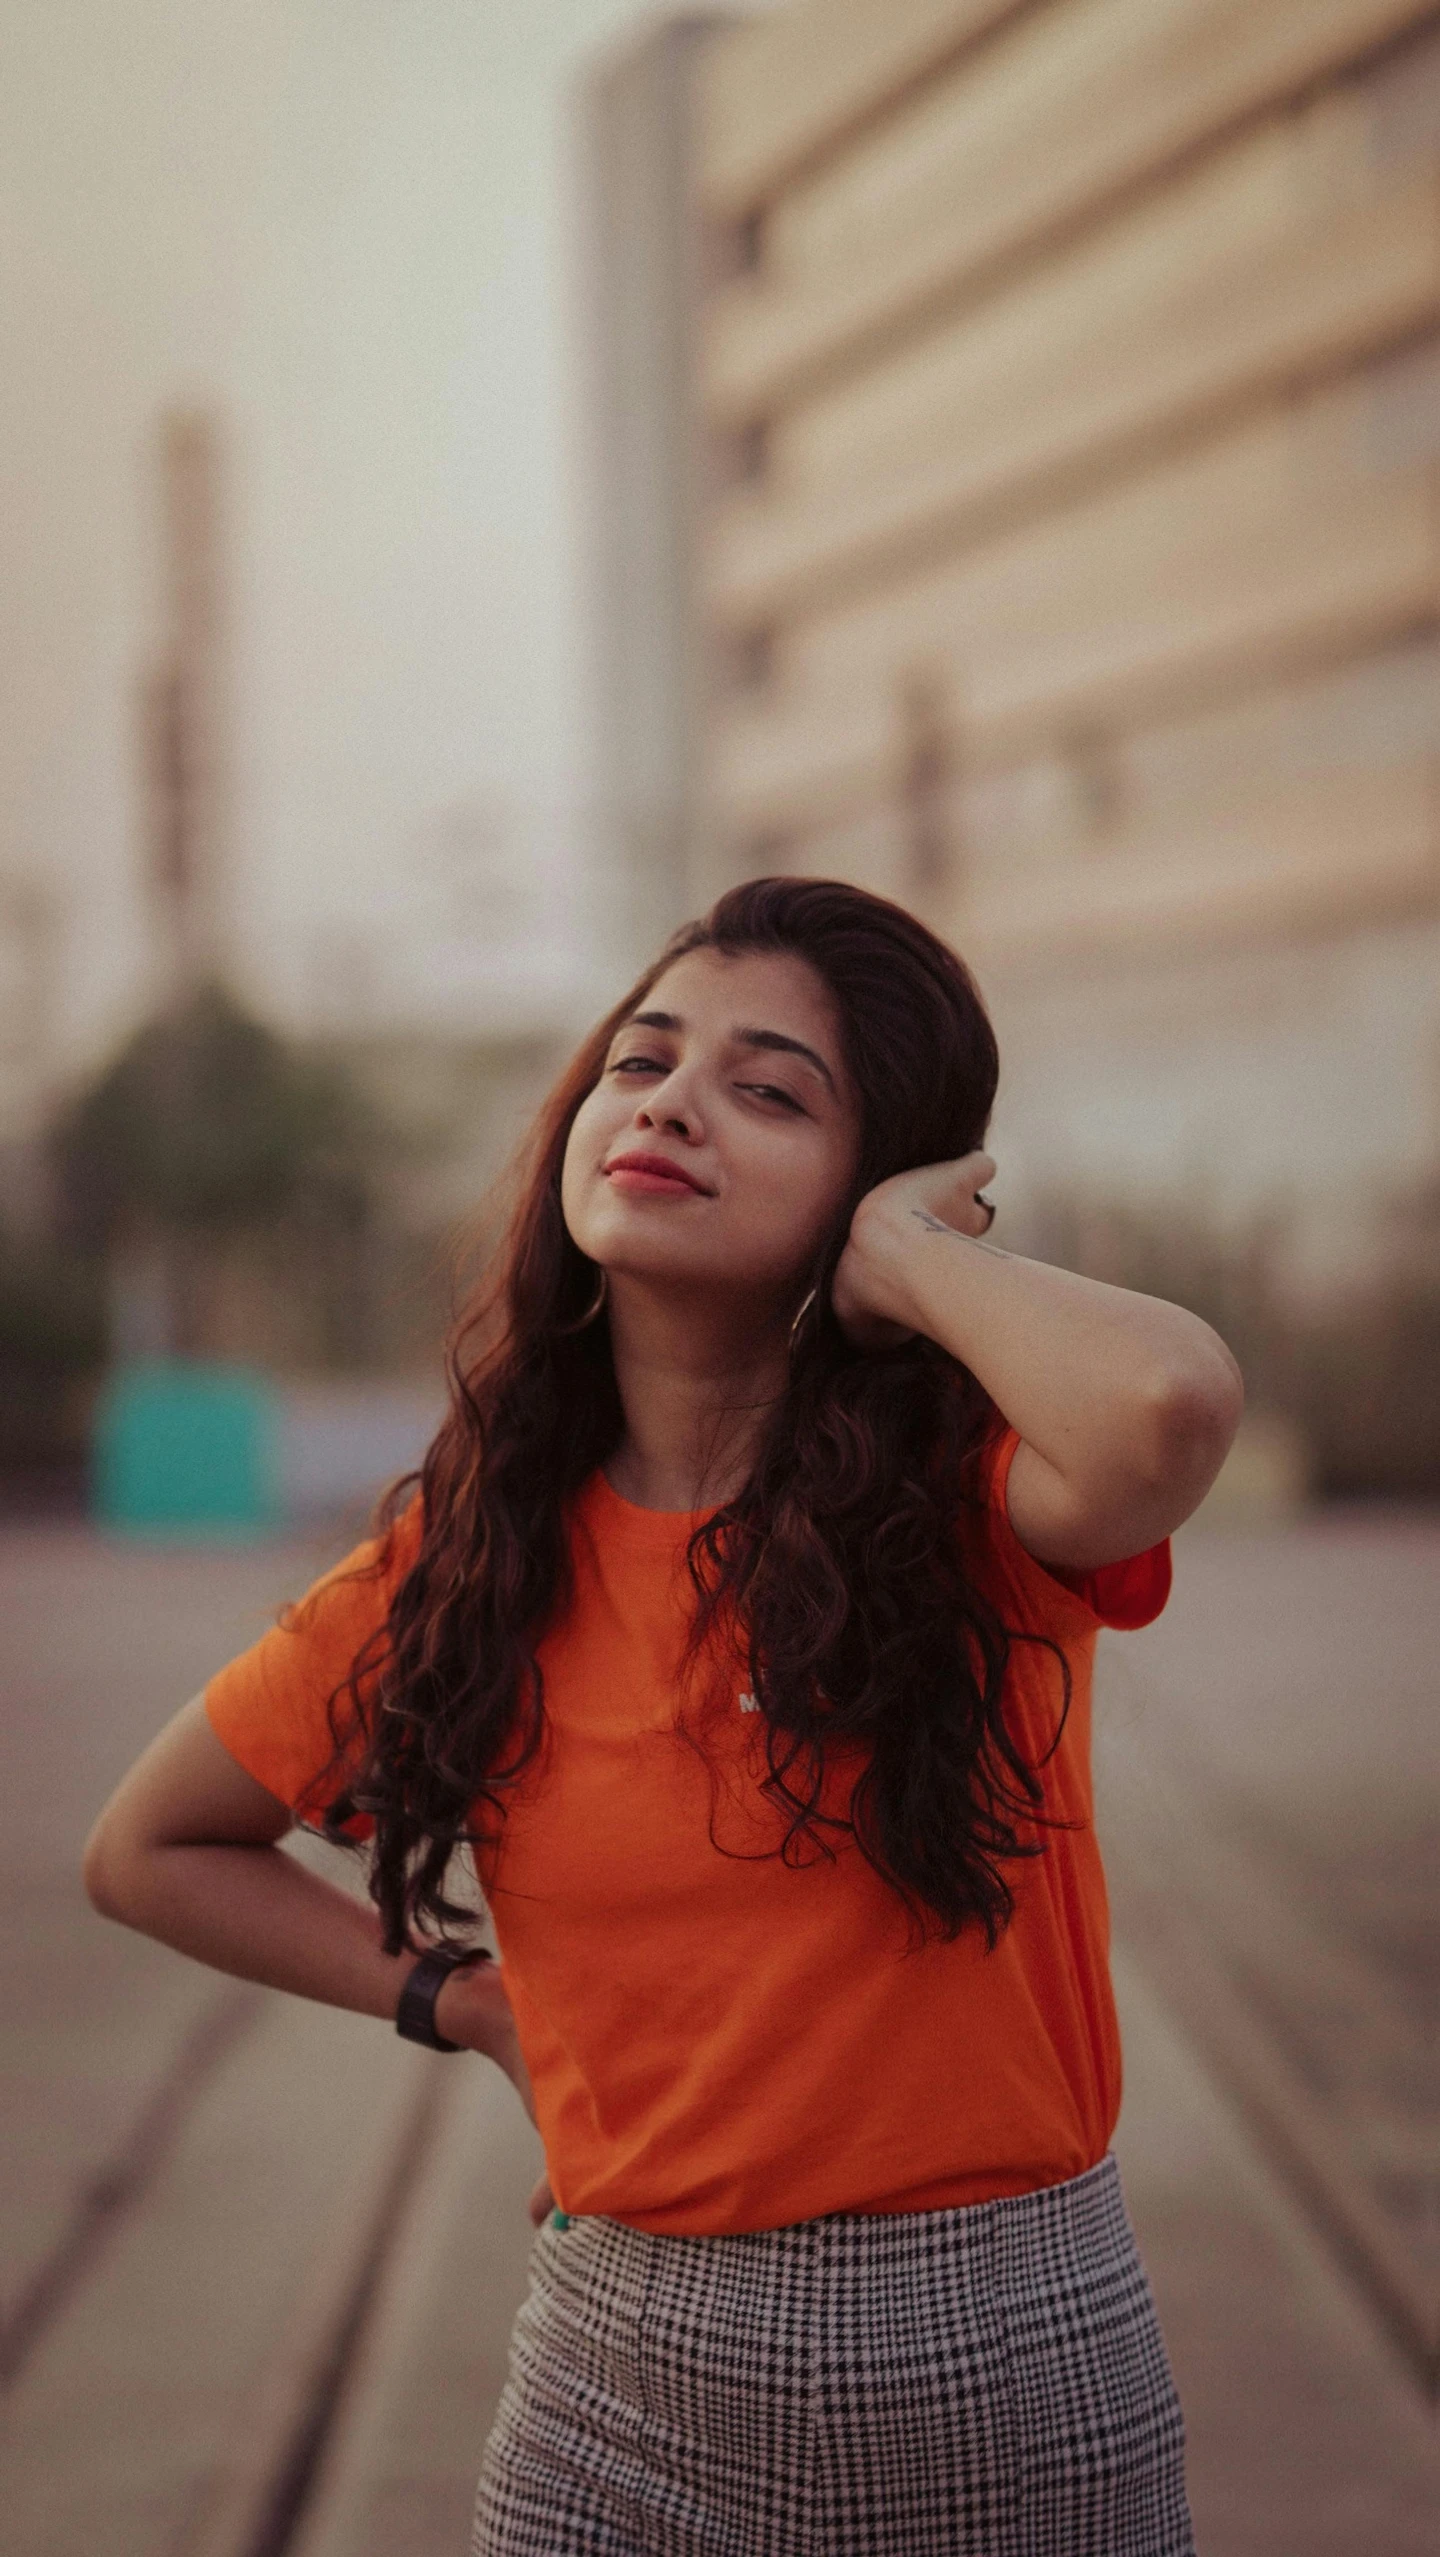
640, 1064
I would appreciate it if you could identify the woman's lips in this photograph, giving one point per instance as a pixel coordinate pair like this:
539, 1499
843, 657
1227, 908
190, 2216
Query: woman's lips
653, 1185
649, 1178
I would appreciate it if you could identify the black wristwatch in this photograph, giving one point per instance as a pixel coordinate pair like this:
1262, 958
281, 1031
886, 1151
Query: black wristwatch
415, 2015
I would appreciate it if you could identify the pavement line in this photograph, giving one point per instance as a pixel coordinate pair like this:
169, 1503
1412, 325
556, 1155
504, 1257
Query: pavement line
111, 2194
1210, 2005
259, 2496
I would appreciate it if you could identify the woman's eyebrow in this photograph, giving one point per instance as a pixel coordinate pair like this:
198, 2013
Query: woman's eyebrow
775, 1039
787, 1047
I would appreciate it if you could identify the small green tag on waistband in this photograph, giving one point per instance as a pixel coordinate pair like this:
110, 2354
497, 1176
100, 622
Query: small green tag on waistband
559, 2219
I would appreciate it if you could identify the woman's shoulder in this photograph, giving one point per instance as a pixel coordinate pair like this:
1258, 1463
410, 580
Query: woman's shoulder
274, 1706
364, 1581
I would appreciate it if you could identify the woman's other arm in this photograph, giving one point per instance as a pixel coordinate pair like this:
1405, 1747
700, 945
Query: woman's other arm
1125, 1405
188, 1850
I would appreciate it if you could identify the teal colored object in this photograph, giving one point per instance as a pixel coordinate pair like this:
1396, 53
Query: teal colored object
559, 2219
185, 1449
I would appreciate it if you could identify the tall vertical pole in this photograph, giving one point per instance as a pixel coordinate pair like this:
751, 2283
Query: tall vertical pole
185, 729
641, 290
155, 1276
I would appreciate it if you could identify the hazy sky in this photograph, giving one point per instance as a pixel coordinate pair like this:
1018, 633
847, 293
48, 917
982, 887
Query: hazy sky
348, 224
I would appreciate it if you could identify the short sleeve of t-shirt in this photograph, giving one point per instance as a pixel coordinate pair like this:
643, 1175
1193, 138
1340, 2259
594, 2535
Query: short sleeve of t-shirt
1123, 1595
271, 1708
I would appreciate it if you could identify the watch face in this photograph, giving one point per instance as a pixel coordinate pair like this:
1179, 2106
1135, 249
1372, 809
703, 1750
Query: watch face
415, 2013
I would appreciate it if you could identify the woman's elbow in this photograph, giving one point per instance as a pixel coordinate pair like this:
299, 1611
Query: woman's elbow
107, 1870
1194, 1413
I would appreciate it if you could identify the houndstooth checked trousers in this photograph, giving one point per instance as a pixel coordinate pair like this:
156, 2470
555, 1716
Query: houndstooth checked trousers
985, 2382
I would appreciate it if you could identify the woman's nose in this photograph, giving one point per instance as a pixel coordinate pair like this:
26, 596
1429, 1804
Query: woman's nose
669, 1106
656, 1115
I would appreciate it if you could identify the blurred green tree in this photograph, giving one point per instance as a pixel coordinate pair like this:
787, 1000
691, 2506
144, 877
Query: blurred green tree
228, 1183
207, 1123
52, 1338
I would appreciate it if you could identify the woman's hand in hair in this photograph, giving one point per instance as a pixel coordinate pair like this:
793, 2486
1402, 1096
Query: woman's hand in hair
867, 1295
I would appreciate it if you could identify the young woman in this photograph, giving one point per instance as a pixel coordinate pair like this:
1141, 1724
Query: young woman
741, 1630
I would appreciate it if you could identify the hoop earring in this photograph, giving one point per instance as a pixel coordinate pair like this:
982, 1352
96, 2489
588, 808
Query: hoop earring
592, 1312
800, 1317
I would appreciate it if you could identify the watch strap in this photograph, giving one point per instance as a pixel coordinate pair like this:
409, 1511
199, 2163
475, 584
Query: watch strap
415, 2014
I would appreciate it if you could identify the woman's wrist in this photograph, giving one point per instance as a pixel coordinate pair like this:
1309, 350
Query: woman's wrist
901, 1271
468, 2006
877, 1265
896, 1242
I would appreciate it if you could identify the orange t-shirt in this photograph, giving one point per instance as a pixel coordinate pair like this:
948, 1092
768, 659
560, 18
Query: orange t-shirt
718, 2040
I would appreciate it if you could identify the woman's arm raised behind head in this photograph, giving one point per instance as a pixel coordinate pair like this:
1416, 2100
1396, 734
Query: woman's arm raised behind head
1125, 1405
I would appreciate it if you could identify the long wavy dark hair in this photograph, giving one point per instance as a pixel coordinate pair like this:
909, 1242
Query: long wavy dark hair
839, 1560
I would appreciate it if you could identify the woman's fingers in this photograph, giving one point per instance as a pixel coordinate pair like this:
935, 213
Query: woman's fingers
542, 2202
963, 1206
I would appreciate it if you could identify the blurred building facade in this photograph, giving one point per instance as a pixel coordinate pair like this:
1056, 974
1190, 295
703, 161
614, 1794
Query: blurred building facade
1062, 435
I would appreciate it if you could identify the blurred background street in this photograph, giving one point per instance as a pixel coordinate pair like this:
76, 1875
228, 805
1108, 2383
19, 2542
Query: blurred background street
480, 481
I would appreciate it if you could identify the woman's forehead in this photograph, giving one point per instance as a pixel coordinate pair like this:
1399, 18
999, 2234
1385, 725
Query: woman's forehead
711, 989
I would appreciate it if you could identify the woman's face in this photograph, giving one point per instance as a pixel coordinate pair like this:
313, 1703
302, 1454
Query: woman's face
721, 1139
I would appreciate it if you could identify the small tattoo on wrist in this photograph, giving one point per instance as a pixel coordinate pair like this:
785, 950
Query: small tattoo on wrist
937, 1225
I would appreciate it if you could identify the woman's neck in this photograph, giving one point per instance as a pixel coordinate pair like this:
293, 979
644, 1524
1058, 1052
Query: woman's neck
697, 1383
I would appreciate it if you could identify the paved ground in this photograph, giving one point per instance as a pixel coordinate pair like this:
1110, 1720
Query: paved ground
1266, 1757
219, 2204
